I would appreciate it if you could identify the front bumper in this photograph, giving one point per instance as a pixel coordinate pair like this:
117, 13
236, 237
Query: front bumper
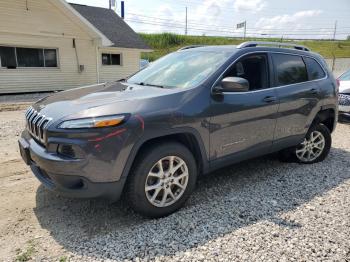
344, 108
344, 117
69, 177
77, 187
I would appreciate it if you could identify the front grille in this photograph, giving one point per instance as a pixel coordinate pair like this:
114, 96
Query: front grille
37, 124
344, 99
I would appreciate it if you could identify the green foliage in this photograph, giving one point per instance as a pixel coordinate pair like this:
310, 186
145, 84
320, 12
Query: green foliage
165, 43
63, 259
27, 254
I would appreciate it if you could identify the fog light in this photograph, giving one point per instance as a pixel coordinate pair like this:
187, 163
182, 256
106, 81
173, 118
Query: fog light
66, 150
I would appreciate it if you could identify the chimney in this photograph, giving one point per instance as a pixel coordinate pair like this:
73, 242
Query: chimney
123, 10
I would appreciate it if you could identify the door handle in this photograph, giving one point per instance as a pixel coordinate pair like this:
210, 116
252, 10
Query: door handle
270, 99
313, 91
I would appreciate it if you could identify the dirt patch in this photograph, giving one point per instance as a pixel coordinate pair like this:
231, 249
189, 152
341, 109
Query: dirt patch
14, 107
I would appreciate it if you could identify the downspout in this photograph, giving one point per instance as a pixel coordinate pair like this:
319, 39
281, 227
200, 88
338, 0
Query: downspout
97, 65
76, 55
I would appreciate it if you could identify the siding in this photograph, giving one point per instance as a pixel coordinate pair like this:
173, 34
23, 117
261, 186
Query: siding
44, 25
46, 79
130, 64
40, 18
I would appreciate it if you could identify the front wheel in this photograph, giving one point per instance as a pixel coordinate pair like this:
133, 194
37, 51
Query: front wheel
314, 148
162, 179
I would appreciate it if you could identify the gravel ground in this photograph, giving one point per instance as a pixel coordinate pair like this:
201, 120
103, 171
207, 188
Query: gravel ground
29, 97
260, 210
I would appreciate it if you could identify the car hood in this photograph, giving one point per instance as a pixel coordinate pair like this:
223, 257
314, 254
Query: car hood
90, 100
344, 87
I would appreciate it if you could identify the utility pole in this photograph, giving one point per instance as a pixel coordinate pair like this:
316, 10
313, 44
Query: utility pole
110, 4
245, 29
186, 22
335, 29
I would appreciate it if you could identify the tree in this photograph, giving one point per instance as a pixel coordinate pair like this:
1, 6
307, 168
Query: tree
348, 38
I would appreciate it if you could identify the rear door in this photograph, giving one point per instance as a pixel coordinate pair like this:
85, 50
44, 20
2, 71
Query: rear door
298, 99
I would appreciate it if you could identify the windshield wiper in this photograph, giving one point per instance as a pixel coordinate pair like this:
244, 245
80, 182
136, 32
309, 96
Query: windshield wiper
145, 84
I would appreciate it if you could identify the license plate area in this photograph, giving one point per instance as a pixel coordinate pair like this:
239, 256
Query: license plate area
24, 151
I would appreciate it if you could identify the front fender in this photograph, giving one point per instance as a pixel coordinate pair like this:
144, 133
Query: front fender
164, 133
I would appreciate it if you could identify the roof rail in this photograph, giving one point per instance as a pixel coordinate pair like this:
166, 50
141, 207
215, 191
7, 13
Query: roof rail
189, 47
278, 44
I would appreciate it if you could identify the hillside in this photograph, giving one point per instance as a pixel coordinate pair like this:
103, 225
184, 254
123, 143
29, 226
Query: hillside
165, 43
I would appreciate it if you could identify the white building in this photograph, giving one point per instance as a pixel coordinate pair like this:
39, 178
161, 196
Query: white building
50, 45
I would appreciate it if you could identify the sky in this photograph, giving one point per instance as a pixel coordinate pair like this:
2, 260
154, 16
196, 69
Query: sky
301, 19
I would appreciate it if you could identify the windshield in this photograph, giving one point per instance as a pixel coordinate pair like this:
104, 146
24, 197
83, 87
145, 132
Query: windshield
345, 76
180, 69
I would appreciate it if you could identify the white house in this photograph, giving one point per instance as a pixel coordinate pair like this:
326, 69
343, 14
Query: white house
50, 45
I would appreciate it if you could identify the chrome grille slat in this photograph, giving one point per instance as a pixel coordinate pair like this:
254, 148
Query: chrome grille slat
37, 124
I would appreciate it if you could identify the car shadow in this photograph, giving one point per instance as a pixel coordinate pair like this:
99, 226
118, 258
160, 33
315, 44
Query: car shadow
224, 201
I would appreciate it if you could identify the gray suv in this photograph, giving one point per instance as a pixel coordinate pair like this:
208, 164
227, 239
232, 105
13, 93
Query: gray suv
193, 111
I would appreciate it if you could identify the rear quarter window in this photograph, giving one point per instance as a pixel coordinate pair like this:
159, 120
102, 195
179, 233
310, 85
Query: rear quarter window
290, 69
314, 69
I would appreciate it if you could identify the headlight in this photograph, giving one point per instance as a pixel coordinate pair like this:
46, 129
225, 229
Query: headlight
93, 122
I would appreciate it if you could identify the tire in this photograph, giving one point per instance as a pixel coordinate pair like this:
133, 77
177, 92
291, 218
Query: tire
142, 179
320, 133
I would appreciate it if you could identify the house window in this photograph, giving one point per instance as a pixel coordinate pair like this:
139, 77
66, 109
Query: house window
111, 59
13, 57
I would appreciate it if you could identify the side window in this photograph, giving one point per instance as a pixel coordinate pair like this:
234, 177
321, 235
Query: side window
253, 68
111, 59
13, 57
290, 69
314, 70
7, 57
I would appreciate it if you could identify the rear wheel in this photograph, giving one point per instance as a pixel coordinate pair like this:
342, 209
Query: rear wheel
314, 148
163, 178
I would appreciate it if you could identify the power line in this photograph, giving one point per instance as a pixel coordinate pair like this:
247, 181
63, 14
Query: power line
170, 22
180, 6
249, 32
230, 22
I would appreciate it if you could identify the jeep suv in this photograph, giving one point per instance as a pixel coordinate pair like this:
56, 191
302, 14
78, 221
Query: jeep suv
191, 112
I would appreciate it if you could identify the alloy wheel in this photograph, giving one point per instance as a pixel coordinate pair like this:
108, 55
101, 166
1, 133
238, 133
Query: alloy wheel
166, 182
311, 148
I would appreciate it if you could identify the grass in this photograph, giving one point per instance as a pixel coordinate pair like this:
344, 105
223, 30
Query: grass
165, 43
63, 259
26, 255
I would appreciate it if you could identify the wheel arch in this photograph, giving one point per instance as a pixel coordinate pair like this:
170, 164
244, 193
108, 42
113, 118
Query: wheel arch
188, 137
326, 116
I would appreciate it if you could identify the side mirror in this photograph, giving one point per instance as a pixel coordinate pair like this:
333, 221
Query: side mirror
232, 84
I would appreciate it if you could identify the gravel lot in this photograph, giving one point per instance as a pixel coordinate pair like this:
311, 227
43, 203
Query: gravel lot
261, 210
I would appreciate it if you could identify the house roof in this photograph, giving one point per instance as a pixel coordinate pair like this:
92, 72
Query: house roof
112, 26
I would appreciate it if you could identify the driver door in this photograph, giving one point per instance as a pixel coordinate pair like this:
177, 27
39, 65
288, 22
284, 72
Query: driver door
243, 123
